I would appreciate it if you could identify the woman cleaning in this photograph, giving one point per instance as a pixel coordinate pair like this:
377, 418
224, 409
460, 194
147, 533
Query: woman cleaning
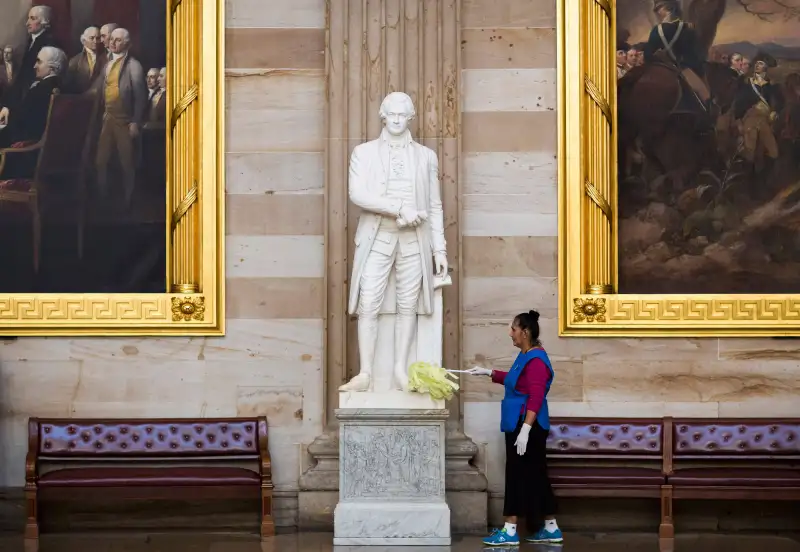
525, 420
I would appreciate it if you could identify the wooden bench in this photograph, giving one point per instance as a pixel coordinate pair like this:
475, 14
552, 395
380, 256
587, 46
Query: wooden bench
607, 457
147, 459
730, 459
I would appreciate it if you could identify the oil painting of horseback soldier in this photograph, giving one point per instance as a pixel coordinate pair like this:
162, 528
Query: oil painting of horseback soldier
708, 111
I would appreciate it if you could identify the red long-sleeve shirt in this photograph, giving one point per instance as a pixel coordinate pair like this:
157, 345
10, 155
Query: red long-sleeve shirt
532, 382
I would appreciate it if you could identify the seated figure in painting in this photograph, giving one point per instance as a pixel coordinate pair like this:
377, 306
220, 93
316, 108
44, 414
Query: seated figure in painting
26, 119
39, 36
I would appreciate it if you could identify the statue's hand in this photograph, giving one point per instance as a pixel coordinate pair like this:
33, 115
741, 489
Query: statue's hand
440, 261
409, 215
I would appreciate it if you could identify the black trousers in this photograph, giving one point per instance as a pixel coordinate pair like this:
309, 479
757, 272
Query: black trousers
528, 490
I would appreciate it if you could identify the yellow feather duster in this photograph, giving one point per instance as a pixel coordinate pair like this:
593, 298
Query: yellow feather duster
424, 377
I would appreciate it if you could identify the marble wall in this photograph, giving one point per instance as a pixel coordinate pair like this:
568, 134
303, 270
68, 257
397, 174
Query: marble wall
269, 363
509, 237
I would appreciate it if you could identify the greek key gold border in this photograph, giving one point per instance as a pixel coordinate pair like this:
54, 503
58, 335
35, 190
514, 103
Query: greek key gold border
587, 237
193, 303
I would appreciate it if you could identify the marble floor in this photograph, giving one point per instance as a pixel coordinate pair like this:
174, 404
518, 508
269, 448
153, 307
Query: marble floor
321, 542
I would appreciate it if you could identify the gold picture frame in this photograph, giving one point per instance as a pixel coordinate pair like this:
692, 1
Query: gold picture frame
193, 302
587, 237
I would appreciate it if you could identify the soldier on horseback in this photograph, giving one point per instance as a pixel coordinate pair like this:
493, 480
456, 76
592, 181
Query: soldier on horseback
676, 40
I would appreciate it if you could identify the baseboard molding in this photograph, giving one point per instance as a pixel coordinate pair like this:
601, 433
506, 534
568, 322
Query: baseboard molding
574, 514
691, 516
196, 515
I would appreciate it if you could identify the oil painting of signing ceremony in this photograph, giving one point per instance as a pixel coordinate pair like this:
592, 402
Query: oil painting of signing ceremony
708, 95
82, 146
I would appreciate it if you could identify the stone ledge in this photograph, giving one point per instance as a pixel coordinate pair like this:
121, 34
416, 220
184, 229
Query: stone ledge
396, 400
392, 415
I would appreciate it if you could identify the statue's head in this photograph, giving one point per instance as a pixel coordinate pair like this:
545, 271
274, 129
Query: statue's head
397, 110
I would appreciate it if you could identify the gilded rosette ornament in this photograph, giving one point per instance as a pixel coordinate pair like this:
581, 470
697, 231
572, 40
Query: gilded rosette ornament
589, 310
188, 308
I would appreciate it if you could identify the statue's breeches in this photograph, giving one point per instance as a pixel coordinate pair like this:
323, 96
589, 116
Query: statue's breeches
375, 278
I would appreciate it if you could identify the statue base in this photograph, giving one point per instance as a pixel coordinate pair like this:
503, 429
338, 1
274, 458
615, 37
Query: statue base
391, 476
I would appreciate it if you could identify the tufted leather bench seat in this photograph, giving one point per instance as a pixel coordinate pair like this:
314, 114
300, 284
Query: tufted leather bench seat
71, 459
144, 477
737, 459
613, 457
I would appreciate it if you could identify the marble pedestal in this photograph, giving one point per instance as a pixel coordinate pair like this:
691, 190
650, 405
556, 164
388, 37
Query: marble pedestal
391, 474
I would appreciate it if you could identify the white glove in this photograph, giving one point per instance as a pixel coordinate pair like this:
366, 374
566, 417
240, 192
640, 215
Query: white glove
522, 439
478, 371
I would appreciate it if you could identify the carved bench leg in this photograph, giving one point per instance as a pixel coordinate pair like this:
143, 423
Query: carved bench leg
32, 514
267, 521
667, 528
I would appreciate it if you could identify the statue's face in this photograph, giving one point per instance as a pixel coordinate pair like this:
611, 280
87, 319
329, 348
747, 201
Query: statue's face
397, 119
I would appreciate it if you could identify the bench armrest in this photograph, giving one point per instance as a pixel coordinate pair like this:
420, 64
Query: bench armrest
32, 457
666, 446
31, 474
265, 462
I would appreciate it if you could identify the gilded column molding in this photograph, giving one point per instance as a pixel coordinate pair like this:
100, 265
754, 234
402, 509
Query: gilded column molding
598, 212
182, 94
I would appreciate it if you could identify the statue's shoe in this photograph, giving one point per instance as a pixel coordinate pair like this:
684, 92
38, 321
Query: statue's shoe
401, 379
361, 382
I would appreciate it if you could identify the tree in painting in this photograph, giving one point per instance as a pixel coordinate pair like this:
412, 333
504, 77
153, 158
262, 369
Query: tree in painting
709, 146
82, 146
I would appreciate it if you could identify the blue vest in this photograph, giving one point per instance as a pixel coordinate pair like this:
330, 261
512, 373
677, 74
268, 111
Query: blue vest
513, 406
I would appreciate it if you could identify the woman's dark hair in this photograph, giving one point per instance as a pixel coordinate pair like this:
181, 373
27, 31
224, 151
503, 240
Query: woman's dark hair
529, 322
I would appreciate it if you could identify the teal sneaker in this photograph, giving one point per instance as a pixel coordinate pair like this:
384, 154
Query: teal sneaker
545, 536
500, 537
